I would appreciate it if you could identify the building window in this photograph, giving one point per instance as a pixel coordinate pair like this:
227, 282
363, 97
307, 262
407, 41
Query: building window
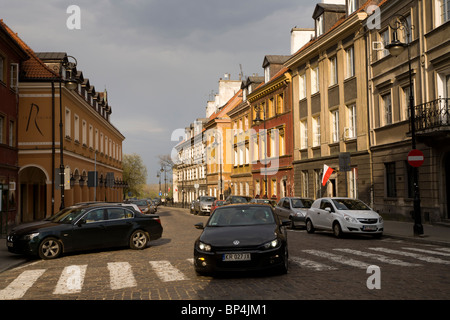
333, 71
274, 187
267, 74
351, 121
302, 86
282, 142
84, 133
91, 136
335, 128
2, 69
303, 134
14, 76
391, 188
387, 107
318, 183
319, 25
409, 180
76, 124
2, 129
442, 12
316, 131
350, 62
405, 102
384, 38
67, 123
12, 136
280, 104
315, 80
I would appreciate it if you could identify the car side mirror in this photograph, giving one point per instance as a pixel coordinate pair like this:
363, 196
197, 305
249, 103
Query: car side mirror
328, 209
81, 222
199, 225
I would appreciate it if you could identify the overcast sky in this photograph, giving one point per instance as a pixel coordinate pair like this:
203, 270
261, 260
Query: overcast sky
159, 59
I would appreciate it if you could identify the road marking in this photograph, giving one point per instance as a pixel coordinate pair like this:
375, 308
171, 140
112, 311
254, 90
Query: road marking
379, 257
71, 280
121, 275
412, 255
21, 284
311, 264
166, 271
443, 249
339, 259
447, 254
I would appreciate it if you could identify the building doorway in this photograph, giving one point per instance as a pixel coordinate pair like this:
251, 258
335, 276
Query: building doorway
33, 194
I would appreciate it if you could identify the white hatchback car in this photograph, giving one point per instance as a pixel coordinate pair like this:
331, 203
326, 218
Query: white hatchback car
343, 215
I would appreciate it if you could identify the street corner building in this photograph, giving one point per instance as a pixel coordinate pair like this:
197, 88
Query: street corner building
62, 125
340, 99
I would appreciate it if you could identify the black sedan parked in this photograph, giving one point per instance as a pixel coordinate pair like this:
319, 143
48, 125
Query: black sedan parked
241, 238
85, 227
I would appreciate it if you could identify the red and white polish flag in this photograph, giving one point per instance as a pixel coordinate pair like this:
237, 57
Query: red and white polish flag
327, 171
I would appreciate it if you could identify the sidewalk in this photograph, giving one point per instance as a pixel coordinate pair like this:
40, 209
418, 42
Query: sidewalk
433, 234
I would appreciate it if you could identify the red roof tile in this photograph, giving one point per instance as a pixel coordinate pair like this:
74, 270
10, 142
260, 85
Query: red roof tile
33, 68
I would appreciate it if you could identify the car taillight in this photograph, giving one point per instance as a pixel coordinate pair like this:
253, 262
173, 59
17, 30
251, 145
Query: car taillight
157, 219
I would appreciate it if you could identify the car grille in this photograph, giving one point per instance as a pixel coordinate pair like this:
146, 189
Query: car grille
368, 221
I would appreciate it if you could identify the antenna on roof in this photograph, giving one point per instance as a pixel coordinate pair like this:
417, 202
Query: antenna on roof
241, 74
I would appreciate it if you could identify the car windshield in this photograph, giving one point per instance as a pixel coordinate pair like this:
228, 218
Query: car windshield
301, 203
140, 202
349, 204
211, 199
240, 199
239, 216
67, 215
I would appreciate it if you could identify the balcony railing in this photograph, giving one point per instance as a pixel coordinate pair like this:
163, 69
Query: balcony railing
432, 115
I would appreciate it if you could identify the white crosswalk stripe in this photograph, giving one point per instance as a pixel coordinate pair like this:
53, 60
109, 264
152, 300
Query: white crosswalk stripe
309, 264
121, 275
379, 257
446, 254
166, 271
338, 258
21, 284
412, 255
71, 280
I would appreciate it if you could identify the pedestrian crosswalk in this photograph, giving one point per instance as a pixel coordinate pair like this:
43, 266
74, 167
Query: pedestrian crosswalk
122, 274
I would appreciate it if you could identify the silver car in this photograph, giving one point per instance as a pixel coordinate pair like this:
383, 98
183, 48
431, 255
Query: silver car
343, 215
294, 209
203, 205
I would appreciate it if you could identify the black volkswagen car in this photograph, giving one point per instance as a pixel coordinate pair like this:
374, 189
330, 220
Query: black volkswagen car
85, 227
241, 237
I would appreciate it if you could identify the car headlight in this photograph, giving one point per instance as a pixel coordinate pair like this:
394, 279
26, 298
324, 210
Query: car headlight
204, 247
350, 219
271, 244
30, 236
380, 219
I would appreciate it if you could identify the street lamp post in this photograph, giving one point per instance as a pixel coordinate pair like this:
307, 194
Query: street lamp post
257, 121
219, 145
70, 83
395, 48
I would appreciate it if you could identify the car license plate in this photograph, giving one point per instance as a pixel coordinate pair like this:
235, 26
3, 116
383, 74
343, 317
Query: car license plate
236, 257
369, 228
10, 244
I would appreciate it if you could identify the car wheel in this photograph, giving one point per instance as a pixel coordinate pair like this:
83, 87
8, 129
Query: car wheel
138, 240
337, 230
309, 226
50, 248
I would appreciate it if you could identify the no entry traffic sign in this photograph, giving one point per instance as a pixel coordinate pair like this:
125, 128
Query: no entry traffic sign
415, 158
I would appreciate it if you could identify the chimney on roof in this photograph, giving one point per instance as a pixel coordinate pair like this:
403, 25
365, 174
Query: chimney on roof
300, 37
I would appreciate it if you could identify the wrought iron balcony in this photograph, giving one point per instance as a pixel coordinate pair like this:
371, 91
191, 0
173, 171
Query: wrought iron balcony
432, 117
